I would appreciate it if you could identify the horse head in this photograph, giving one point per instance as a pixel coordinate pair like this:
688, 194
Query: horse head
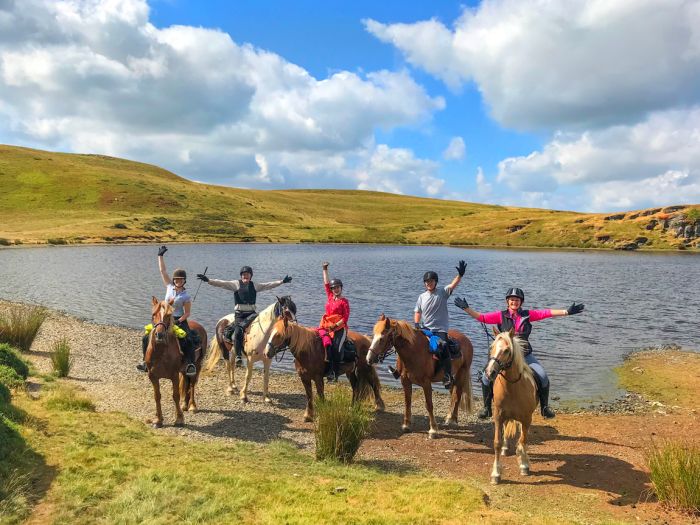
279, 339
381, 339
502, 353
161, 317
286, 308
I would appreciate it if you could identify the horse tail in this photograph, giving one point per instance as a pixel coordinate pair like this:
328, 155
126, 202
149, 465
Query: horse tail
215, 353
466, 401
367, 379
511, 429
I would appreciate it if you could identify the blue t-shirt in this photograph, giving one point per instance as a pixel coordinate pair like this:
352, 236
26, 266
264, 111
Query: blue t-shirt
433, 309
180, 300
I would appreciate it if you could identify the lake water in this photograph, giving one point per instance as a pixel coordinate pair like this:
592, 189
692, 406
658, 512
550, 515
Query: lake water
632, 300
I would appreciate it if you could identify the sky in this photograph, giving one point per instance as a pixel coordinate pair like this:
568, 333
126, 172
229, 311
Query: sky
585, 105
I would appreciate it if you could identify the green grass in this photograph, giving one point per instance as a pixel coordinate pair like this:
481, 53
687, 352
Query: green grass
61, 360
69, 198
20, 326
10, 378
675, 474
340, 425
9, 357
65, 398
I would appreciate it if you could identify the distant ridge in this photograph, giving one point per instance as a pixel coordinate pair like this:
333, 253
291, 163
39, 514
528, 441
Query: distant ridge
65, 198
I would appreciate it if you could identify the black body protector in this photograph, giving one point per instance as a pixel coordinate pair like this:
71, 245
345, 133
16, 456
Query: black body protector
523, 334
246, 293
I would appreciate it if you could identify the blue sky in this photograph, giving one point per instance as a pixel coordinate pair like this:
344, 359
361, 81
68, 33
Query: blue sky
585, 105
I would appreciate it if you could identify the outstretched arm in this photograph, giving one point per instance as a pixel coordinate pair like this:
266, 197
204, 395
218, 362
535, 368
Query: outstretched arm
571, 310
326, 280
161, 266
461, 268
462, 304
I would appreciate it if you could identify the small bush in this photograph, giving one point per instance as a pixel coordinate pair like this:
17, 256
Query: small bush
63, 398
4, 242
60, 358
57, 241
675, 475
21, 327
9, 357
10, 378
120, 226
340, 426
5, 396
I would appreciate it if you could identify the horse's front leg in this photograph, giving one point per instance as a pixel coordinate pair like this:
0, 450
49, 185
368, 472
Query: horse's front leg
523, 459
428, 392
158, 422
192, 405
455, 398
497, 444
231, 371
180, 417
248, 376
309, 414
266, 379
407, 399
354, 384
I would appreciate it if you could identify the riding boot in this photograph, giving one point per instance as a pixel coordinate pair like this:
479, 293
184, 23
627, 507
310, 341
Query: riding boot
238, 345
188, 350
545, 409
331, 374
448, 379
393, 372
144, 343
487, 392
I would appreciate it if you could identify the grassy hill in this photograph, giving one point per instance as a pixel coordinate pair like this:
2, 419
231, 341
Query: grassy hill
63, 198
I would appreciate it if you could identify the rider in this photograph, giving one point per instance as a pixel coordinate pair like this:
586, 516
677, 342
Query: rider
334, 322
244, 295
180, 299
514, 317
431, 309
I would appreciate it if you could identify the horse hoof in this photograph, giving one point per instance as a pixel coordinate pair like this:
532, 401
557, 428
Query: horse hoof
193, 410
308, 419
405, 429
524, 471
179, 424
450, 423
230, 390
245, 399
495, 480
432, 434
268, 400
157, 424
379, 407
504, 451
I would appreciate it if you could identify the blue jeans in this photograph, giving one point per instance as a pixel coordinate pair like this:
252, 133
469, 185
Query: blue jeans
536, 367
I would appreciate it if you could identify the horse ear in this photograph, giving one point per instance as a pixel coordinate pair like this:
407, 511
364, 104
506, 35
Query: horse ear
511, 333
154, 300
495, 331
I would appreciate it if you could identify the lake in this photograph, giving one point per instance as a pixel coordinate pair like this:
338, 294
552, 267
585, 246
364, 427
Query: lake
633, 300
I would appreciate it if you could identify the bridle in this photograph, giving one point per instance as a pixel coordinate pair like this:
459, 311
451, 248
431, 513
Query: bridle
502, 367
390, 347
166, 326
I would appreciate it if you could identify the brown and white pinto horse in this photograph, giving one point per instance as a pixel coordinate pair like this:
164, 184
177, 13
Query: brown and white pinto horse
514, 399
416, 365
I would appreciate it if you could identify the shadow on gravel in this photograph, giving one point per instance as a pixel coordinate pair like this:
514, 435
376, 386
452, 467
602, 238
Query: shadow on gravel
387, 466
259, 427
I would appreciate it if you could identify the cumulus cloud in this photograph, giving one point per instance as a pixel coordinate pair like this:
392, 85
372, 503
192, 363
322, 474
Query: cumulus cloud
97, 76
456, 150
564, 65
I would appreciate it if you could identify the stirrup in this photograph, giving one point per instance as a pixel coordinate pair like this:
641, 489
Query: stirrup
142, 367
448, 381
190, 370
393, 372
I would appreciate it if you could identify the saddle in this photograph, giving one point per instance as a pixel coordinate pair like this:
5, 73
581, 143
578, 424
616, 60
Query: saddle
435, 345
348, 353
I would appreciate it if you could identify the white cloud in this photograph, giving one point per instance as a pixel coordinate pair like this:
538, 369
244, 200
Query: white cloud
564, 64
97, 76
456, 150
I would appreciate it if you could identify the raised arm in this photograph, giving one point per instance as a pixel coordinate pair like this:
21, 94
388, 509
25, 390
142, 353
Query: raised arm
161, 266
326, 280
461, 268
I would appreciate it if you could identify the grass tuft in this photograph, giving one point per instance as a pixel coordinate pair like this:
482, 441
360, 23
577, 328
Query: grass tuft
340, 426
66, 399
10, 358
675, 474
61, 360
19, 329
10, 378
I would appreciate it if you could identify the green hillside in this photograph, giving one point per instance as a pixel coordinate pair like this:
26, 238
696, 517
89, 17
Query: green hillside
71, 198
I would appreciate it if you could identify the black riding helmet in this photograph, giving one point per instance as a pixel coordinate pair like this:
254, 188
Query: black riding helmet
180, 273
247, 269
427, 276
335, 282
516, 292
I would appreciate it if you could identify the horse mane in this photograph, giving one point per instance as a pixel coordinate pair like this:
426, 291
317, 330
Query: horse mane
301, 338
268, 313
519, 363
404, 330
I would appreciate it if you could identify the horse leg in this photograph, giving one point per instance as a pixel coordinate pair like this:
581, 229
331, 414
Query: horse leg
378, 401
428, 393
523, 459
180, 417
246, 382
497, 444
158, 422
309, 414
455, 398
352, 377
407, 398
184, 392
192, 406
266, 379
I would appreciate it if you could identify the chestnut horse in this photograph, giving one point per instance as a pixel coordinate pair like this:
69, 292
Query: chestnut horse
164, 361
514, 399
309, 359
417, 367
254, 345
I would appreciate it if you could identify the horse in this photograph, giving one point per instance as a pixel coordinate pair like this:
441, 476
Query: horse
514, 398
309, 360
164, 361
417, 367
255, 339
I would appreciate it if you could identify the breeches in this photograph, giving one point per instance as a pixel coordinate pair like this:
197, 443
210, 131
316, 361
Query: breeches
537, 369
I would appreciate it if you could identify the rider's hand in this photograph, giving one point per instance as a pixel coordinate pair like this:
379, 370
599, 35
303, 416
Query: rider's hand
461, 268
416, 326
202, 277
574, 309
287, 279
162, 250
461, 303
325, 265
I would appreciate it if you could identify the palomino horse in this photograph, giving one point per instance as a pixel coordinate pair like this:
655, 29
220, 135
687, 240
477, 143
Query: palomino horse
417, 367
255, 339
514, 398
306, 347
164, 361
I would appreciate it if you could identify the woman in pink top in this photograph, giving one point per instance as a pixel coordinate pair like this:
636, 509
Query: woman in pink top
334, 323
521, 321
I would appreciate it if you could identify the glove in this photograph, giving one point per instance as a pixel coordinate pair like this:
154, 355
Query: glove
416, 326
461, 268
574, 309
161, 251
287, 279
202, 277
325, 265
461, 303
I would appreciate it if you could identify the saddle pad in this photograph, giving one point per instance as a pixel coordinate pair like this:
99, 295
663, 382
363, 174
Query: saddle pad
433, 341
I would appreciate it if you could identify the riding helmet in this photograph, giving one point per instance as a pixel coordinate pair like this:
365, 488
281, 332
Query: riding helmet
428, 276
516, 292
335, 282
247, 269
180, 273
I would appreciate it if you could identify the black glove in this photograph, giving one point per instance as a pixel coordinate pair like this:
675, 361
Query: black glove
461, 303
416, 326
574, 309
287, 279
461, 268
202, 277
161, 251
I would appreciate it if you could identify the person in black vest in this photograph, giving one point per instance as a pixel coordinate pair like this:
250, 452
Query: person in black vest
521, 321
245, 293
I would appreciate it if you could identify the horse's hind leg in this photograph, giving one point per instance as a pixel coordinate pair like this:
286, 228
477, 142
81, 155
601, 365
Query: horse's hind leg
523, 459
231, 371
455, 398
309, 414
246, 382
407, 399
378, 401
192, 405
180, 417
266, 380
428, 392
158, 422
497, 444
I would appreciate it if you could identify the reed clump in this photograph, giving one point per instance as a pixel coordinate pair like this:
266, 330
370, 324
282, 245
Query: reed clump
20, 326
675, 475
340, 426
61, 359
67, 399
